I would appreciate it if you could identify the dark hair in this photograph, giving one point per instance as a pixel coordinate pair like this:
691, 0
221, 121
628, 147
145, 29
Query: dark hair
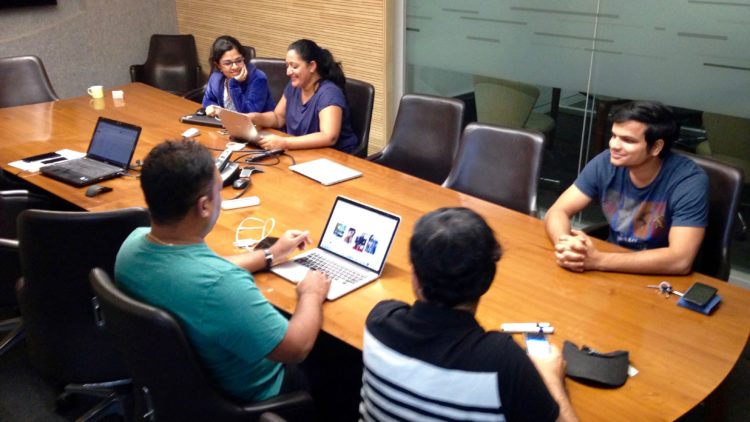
174, 175
658, 118
220, 46
328, 69
454, 253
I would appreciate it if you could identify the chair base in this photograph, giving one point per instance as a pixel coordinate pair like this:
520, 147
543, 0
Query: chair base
112, 403
16, 334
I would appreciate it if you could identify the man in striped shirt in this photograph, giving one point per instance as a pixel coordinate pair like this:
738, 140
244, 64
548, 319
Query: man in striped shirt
432, 360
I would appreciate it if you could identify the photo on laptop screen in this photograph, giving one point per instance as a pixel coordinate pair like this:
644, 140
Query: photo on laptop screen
355, 232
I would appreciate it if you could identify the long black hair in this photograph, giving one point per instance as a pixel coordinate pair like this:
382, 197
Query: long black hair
328, 68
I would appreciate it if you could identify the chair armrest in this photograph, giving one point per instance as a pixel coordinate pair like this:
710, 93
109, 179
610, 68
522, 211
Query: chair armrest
293, 406
598, 230
195, 95
374, 157
136, 73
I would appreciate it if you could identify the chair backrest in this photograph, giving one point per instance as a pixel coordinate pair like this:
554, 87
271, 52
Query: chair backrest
499, 164
57, 251
504, 102
275, 70
172, 64
728, 136
725, 190
426, 136
23, 80
361, 98
167, 375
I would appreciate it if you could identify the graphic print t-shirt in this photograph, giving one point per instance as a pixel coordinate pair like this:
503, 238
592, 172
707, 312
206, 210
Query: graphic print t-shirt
640, 218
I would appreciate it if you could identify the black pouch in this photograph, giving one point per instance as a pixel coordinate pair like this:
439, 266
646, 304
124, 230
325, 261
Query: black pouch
607, 370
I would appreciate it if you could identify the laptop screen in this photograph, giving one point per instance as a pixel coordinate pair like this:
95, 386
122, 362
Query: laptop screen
359, 233
113, 142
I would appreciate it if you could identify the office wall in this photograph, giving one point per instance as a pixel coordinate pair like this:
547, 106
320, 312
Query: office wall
86, 42
356, 33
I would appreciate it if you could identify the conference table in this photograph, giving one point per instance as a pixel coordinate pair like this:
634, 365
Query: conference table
682, 356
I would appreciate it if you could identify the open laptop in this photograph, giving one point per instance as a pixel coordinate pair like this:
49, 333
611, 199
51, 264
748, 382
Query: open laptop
352, 249
110, 151
239, 126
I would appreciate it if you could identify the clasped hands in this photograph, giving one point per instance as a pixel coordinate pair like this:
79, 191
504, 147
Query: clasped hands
575, 251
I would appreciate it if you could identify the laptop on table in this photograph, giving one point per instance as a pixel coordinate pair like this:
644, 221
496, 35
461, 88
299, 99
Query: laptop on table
239, 126
110, 150
352, 249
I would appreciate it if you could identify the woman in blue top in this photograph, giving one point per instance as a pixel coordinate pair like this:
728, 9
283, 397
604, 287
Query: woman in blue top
235, 84
313, 108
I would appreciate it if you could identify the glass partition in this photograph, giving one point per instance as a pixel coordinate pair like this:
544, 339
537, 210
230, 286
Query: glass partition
560, 67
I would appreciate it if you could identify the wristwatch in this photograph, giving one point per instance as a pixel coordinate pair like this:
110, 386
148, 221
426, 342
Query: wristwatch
269, 258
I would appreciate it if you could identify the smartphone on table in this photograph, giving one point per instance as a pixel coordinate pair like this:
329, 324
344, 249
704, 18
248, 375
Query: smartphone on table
537, 344
699, 294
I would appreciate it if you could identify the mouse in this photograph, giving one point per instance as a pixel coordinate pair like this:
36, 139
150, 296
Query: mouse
191, 132
241, 183
94, 190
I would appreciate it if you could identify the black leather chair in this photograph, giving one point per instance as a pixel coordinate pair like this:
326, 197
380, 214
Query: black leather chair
725, 193
169, 381
12, 203
197, 94
425, 138
65, 345
499, 164
23, 80
361, 98
172, 64
275, 70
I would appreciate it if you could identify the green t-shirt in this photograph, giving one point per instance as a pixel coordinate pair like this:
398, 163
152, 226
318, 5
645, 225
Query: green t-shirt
228, 321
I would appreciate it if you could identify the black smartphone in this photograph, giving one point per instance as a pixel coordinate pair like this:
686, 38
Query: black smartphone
266, 243
699, 294
44, 156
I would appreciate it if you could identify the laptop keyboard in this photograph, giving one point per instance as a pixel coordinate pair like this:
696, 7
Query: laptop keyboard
335, 271
86, 167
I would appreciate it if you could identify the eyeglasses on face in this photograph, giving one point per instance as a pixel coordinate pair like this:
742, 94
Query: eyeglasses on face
228, 63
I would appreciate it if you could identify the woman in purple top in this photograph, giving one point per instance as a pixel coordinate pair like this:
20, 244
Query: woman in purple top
313, 108
235, 84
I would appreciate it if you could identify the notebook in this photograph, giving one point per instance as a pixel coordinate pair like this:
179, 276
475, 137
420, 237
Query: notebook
352, 249
325, 171
110, 151
239, 126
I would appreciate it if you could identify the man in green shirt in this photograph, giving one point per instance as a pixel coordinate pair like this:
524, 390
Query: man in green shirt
241, 338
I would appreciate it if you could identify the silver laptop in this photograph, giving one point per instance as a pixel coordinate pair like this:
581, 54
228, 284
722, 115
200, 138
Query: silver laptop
352, 249
110, 150
239, 126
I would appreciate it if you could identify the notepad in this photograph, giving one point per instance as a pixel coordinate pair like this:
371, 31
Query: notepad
325, 171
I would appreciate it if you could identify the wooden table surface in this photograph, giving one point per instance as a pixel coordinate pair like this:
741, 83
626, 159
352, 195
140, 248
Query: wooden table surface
682, 356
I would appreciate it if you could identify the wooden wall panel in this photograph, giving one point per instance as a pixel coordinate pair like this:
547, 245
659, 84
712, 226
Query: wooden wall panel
355, 32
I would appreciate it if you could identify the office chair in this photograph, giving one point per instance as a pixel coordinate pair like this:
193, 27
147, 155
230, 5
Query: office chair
170, 382
12, 203
499, 164
64, 342
510, 103
172, 64
275, 70
724, 193
197, 94
361, 97
425, 138
23, 80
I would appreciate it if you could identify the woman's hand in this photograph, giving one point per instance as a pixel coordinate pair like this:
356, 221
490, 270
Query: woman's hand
272, 141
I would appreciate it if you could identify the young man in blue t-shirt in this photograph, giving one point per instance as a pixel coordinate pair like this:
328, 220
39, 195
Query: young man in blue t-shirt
656, 202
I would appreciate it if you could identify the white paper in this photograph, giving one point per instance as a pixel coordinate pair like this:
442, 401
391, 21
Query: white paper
34, 166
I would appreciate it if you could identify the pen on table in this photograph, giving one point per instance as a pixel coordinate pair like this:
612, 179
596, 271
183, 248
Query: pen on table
527, 327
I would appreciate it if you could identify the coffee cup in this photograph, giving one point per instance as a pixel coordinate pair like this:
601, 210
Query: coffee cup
96, 91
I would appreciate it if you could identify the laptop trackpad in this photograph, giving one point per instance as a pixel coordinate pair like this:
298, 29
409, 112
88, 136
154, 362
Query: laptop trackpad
291, 271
